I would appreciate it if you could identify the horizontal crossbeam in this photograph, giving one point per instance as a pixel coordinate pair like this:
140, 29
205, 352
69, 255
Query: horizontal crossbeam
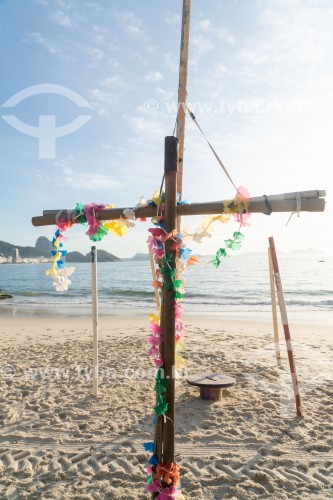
304, 201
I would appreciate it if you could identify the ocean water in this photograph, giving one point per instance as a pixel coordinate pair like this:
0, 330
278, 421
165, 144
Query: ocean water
240, 286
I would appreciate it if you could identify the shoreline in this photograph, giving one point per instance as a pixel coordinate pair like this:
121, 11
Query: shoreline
19, 329
318, 317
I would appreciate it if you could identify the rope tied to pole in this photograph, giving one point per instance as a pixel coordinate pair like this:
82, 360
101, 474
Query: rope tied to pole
298, 207
268, 206
212, 149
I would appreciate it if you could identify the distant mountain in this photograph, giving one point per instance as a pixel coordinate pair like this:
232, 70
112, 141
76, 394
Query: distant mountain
25, 252
307, 251
102, 256
44, 244
43, 249
138, 256
75, 257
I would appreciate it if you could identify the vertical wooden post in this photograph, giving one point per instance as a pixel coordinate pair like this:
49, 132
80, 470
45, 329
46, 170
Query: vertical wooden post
182, 94
95, 318
164, 442
170, 170
274, 315
284, 319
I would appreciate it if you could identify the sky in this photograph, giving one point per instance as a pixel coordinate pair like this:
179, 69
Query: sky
95, 82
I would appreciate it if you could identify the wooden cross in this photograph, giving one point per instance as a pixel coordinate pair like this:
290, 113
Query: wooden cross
311, 201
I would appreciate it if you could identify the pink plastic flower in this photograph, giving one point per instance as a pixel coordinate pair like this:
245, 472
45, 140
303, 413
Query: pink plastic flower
158, 362
178, 310
154, 341
155, 329
168, 493
154, 487
153, 351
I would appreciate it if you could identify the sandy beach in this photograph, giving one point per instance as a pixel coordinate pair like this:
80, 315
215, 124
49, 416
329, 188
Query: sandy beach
59, 442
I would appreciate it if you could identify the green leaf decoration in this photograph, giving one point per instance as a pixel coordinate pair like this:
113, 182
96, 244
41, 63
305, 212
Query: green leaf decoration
168, 274
178, 295
177, 283
161, 408
232, 244
78, 210
79, 207
236, 245
169, 285
216, 262
221, 253
100, 233
238, 236
160, 386
228, 243
167, 258
160, 399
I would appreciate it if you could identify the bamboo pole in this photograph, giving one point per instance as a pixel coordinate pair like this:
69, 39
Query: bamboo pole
274, 315
278, 203
182, 96
284, 318
95, 318
312, 194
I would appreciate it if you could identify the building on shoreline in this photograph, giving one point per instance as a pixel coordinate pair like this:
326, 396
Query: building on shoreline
15, 256
13, 259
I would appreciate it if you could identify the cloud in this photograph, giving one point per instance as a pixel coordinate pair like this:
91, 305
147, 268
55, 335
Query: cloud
61, 18
153, 77
174, 19
204, 24
95, 54
148, 127
100, 101
225, 35
166, 94
201, 44
103, 100
88, 180
171, 62
131, 25
94, 5
114, 81
100, 34
212, 33
294, 41
40, 40
62, 4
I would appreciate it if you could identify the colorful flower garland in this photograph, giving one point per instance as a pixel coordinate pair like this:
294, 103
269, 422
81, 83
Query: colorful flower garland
58, 272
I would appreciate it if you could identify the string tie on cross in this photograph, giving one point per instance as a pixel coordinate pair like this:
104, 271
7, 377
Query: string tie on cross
129, 213
298, 207
268, 206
